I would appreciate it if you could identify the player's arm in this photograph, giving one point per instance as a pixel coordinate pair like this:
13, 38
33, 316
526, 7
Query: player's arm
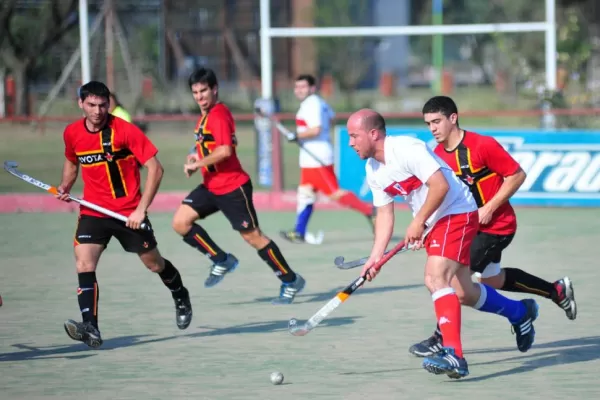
424, 166
438, 188
313, 120
384, 226
153, 180
223, 134
70, 169
501, 162
145, 153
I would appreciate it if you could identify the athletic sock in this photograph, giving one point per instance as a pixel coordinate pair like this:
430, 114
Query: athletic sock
448, 313
172, 280
520, 281
273, 257
302, 220
350, 200
491, 301
87, 296
198, 238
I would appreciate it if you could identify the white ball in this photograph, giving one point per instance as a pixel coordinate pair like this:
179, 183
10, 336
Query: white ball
276, 378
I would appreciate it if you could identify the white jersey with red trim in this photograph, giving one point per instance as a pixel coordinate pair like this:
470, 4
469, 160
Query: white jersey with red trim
313, 112
409, 163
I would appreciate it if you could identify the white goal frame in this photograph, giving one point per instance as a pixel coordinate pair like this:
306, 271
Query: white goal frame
267, 33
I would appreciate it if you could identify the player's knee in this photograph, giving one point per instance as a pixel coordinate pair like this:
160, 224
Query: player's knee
181, 225
255, 238
85, 266
153, 261
305, 197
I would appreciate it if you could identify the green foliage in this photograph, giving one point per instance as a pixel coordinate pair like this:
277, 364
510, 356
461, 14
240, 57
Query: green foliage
343, 57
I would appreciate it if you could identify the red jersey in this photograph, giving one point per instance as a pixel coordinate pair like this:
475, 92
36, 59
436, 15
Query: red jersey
217, 128
109, 163
482, 164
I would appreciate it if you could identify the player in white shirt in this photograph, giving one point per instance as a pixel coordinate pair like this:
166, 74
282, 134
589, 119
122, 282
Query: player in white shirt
445, 222
314, 123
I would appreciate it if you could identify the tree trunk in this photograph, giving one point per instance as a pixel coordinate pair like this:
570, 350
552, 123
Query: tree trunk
19, 72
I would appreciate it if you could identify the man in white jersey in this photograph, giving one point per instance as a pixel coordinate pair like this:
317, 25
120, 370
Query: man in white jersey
314, 123
445, 222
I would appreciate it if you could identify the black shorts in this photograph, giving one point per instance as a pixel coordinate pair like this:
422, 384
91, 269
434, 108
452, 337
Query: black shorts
97, 230
237, 205
487, 248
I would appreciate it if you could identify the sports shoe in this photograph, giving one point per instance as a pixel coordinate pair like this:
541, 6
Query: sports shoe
218, 270
427, 347
292, 236
288, 291
83, 332
524, 328
564, 297
183, 311
447, 362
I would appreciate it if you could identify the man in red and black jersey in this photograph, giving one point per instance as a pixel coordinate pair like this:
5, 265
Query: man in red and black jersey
109, 151
227, 188
493, 176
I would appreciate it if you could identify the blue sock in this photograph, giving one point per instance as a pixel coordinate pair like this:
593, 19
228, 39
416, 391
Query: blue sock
302, 219
493, 302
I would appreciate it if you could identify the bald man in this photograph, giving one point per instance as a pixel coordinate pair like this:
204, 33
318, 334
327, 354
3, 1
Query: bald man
445, 222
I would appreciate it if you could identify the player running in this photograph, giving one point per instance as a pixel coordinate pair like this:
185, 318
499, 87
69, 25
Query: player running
444, 222
109, 150
226, 188
493, 176
314, 123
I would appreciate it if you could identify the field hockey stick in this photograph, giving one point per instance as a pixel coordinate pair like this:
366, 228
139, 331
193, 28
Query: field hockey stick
11, 168
285, 132
339, 260
298, 329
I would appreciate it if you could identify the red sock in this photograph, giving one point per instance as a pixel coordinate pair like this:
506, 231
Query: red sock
447, 310
350, 200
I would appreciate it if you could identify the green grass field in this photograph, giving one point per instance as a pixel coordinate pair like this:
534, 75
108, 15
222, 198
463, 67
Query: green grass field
41, 156
237, 338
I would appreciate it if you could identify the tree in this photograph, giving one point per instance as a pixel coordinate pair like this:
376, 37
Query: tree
28, 35
345, 58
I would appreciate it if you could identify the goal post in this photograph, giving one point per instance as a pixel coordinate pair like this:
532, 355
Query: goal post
267, 33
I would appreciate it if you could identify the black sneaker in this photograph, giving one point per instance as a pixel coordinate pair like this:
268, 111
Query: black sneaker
183, 311
524, 328
83, 332
564, 297
427, 347
447, 362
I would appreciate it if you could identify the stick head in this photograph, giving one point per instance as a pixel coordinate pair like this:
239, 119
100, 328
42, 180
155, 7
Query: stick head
297, 329
10, 165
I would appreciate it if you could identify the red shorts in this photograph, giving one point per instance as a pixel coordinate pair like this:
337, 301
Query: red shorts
451, 237
322, 179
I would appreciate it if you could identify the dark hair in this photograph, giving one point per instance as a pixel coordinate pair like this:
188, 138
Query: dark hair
203, 75
308, 78
94, 88
440, 104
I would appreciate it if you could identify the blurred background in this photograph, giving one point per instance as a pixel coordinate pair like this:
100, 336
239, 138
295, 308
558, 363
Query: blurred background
145, 49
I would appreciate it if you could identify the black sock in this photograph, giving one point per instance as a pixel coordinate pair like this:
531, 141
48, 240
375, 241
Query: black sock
172, 280
87, 296
520, 281
272, 256
198, 238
